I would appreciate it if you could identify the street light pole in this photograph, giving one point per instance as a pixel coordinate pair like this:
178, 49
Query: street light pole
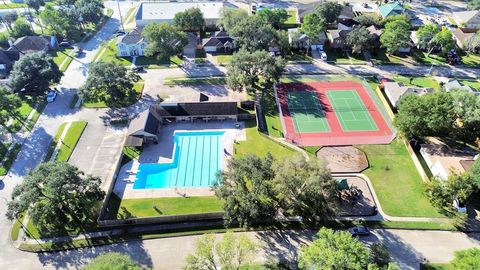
121, 18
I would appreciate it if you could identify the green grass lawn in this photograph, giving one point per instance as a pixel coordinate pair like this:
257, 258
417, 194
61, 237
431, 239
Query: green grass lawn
396, 181
474, 84
130, 153
53, 144
108, 53
193, 80
9, 159
150, 207
70, 140
342, 58
298, 57
9, 5
429, 82
59, 56
292, 17
138, 87
22, 113
471, 59
260, 144
272, 116
156, 63
223, 59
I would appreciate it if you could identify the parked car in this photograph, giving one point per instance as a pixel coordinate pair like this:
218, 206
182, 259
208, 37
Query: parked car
120, 33
323, 56
51, 96
65, 44
460, 206
138, 69
79, 52
359, 231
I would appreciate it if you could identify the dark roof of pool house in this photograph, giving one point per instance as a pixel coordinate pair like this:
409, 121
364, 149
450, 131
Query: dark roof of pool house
196, 109
143, 125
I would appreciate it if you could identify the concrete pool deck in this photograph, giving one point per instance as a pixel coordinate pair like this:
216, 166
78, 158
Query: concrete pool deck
163, 153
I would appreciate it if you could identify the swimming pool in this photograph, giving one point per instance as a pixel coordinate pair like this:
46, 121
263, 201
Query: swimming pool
197, 158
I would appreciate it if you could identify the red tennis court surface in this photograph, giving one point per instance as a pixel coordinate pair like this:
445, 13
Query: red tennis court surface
335, 134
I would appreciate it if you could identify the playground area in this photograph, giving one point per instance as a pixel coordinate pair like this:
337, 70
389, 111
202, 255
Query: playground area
330, 113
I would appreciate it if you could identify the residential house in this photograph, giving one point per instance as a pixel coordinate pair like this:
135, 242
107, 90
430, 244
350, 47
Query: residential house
442, 159
299, 40
375, 33
461, 38
219, 41
305, 9
395, 91
364, 8
391, 9
456, 85
346, 14
468, 20
346, 25
7, 59
157, 12
30, 44
338, 38
132, 44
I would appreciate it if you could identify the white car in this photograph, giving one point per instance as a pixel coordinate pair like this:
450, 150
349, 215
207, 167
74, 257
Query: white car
51, 96
323, 56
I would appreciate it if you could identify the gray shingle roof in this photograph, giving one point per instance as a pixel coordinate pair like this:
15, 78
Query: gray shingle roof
30, 44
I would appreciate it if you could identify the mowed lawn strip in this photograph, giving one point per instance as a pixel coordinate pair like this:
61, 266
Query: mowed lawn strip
70, 140
396, 181
260, 144
171, 206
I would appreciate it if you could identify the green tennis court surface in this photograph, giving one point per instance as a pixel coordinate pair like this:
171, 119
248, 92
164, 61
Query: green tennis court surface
350, 111
306, 112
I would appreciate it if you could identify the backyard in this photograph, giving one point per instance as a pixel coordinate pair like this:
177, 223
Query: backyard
428, 82
150, 207
397, 181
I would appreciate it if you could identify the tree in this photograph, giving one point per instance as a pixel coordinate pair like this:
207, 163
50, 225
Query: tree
441, 193
34, 72
313, 26
55, 22
432, 114
368, 20
90, 10
247, 68
230, 16
467, 259
189, 20
55, 194
111, 83
329, 11
334, 250
467, 113
253, 33
35, 4
164, 40
359, 39
8, 19
112, 261
425, 35
475, 172
246, 189
21, 28
395, 36
231, 252
400, 17
304, 188
275, 16
9, 103
444, 40
473, 4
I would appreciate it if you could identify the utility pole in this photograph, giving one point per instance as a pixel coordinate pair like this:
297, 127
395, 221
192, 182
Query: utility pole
121, 18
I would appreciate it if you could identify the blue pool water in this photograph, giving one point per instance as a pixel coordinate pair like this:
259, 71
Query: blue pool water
197, 159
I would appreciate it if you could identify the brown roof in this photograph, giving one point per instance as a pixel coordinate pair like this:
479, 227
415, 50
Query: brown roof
461, 36
30, 44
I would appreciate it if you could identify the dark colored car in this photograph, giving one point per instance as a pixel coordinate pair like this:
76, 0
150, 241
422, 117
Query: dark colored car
65, 44
79, 52
138, 69
359, 231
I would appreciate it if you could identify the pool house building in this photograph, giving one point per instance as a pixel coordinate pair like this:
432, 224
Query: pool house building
145, 127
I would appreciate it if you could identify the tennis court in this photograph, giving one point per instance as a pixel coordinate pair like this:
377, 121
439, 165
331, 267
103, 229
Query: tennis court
306, 112
350, 111
332, 113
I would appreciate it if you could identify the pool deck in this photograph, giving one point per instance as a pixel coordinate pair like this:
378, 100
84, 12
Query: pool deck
163, 153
